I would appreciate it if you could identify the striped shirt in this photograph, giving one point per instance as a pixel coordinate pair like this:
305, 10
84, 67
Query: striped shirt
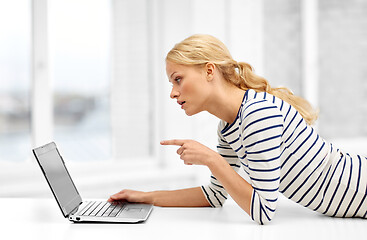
281, 153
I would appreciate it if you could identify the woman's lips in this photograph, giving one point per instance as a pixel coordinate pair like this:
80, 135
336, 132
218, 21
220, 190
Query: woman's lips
181, 103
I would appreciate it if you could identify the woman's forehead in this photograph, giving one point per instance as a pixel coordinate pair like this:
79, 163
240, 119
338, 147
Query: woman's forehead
174, 67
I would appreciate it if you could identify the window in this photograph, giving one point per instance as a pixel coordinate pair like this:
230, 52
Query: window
339, 88
343, 67
133, 89
343, 74
15, 78
283, 44
79, 36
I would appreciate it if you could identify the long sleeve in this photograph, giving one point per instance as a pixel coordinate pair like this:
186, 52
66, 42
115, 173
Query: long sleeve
214, 191
262, 132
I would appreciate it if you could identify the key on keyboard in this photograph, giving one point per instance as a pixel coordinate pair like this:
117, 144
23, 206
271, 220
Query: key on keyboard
114, 209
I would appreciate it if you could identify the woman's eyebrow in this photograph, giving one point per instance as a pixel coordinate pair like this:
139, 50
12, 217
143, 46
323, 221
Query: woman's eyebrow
169, 79
172, 75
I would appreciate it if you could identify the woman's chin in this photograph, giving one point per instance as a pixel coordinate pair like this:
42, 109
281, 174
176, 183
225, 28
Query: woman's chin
191, 113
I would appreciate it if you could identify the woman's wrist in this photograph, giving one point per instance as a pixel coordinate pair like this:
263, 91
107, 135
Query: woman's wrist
149, 197
215, 161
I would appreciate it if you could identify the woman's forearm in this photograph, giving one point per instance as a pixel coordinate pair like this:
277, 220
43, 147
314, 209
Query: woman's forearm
190, 197
235, 185
192, 152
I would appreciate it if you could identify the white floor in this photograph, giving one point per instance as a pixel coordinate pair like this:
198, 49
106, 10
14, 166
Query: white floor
298, 222
31, 218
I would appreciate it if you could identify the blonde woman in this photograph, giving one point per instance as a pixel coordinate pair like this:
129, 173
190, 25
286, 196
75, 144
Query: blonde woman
263, 131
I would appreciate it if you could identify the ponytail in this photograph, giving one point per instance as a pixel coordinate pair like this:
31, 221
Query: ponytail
247, 79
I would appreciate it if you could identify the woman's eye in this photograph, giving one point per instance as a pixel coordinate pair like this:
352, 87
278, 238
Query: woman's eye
178, 79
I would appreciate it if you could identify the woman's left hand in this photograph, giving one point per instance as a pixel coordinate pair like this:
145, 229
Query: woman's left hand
192, 152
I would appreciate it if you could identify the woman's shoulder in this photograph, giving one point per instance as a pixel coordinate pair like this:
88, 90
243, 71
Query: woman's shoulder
253, 96
258, 101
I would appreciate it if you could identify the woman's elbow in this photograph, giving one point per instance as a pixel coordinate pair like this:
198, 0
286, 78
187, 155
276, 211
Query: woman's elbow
263, 218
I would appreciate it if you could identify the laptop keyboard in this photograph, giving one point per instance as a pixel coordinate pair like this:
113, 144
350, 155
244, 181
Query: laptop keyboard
102, 209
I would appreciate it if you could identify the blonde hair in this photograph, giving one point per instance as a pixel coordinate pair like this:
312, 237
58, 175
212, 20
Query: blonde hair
200, 49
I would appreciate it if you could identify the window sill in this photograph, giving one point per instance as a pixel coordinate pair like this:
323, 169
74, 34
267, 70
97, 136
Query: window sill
95, 179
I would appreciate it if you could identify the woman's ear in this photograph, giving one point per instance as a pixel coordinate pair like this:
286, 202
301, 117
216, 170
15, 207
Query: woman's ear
210, 67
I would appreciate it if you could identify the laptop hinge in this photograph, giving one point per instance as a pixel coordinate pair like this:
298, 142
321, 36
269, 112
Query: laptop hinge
74, 210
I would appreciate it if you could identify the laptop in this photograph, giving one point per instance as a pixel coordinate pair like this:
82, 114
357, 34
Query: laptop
69, 200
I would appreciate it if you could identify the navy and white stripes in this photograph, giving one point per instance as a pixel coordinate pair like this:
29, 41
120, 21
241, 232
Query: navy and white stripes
271, 142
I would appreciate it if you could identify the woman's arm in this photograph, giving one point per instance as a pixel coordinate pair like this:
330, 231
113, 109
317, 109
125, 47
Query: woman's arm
190, 197
192, 152
238, 188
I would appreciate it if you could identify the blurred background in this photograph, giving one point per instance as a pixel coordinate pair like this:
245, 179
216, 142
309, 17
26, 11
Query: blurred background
90, 75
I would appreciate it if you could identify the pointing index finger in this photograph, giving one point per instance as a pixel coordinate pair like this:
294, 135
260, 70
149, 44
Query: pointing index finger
176, 142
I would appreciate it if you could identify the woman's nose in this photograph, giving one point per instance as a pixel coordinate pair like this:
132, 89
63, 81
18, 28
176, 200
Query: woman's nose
174, 93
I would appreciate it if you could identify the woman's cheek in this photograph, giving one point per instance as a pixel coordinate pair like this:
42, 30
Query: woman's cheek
185, 88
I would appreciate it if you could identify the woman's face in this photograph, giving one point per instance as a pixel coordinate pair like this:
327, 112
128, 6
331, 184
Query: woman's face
189, 87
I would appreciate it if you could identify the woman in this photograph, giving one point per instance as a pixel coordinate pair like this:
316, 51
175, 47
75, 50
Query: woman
263, 129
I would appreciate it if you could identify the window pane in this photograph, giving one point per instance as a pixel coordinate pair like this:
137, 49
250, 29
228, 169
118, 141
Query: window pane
132, 94
282, 44
343, 64
79, 47
15, 80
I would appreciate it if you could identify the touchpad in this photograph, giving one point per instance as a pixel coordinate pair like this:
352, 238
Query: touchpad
132, 209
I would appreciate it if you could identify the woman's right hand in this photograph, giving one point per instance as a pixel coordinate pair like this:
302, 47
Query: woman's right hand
131, 196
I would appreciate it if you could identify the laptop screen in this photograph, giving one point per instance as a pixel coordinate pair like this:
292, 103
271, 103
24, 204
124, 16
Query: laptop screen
58, 178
